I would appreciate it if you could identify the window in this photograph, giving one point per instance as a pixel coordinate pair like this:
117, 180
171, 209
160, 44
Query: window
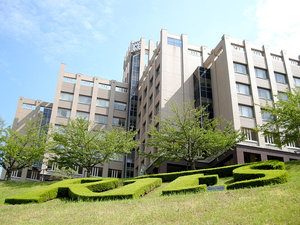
261, 73
16, 173
269, 139
104, 86
157, 89
240, 68
66, 96
250, 134
96, 172
150, 100
157, 72
119, 122
102, 103
28, 106
243, 89
63, 112
246, 111
276, 57
264, 93
295, 62
280, 78
83, 115
145, 109
100, 119
150, 118
144, 127
174, 42
120, 106
84, 99
69, 80
145, 92
257, 52
266, 116
87, 83
297, 81
282, 96
150, 82
238, 48
156, 110
114, 173
146, 59
194, 52
120, 89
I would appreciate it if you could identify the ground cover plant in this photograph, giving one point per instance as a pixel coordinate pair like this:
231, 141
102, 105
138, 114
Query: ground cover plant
249, 175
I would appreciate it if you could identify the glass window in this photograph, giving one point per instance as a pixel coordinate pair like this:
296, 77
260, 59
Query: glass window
269, 139
150, 100
156, 110
261, 73
157, 72
70, 80
83, 115
119, 122
250, 134
63, 112
266, 116
297, 81
87, 83
157, 89
264, 93
114, 173
238, 48
194, 52
240, 68
104, 86
175, 42
120, 89
102, 103
294, 62
96, 172
120, 106
277, 57
243, 89
282, 96
146, 59
280, 78
100, 119
246, 111
28, 106
84, 99
66, 96
257, 52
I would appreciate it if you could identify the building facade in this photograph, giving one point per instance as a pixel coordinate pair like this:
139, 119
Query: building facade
234, 79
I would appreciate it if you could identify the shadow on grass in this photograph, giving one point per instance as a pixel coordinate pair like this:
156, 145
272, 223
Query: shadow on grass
25, 184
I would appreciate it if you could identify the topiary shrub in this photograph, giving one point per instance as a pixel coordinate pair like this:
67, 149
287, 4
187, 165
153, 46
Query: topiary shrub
259, 174
190, 183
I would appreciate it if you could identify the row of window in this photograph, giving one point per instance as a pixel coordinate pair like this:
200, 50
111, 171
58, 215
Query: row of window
87, 100
101, 119
247, 111
262, 73
91, 84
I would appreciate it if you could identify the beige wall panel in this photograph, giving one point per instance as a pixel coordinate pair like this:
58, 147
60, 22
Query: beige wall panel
103, 93
239, 56
240, 78
248, 122
83, 107
121, 114
282, 87
245, 99
295, 70
64, 104
278, 66
68, 87
259, 61
60, 120
121, 97
265, 83
85, 90
101, 110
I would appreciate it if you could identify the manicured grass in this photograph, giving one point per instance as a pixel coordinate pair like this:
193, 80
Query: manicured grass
275, 204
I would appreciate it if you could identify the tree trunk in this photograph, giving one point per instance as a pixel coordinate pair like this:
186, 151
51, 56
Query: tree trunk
88, 172
193, 165
8, 174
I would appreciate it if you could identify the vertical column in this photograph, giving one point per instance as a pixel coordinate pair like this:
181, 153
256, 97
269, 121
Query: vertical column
94, 99
75, 98
271, 72
288, 69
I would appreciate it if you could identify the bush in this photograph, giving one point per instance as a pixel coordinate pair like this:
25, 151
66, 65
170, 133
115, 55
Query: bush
59, 189
225, 171
190, 183
259, 174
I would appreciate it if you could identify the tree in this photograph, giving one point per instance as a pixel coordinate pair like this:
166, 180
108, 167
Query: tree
190, 135
21, 149
81, 144
284, 122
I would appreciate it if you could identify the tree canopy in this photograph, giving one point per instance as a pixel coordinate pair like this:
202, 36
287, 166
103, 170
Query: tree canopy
21, 149
189, 134
284, 122
80, 144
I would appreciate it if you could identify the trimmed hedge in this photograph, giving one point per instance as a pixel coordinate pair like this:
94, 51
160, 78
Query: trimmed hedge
190, 183
225, 171
259, 174
61, 189
131, 190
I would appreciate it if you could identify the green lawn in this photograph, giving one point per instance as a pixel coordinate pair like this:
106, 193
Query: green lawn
276, 204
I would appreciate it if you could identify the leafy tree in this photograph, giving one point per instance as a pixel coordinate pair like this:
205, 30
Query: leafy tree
21, 149
190, 135
81, 144
63, 173
284, 122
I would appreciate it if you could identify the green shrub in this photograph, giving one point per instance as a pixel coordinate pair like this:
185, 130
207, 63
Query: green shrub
190, 183
134, 189
59, 189
259, 174
225, 171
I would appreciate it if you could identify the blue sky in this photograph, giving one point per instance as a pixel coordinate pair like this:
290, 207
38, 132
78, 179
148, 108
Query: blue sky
92, 36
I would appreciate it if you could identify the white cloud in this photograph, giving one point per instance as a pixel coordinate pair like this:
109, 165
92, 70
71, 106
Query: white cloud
279, 24
56, 26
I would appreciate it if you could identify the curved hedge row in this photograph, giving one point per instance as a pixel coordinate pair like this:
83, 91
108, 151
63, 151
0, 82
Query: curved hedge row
225, 171
190, 183
259, 174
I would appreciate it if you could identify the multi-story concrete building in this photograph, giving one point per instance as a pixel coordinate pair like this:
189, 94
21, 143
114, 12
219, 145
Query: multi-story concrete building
236, 79
28, 109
